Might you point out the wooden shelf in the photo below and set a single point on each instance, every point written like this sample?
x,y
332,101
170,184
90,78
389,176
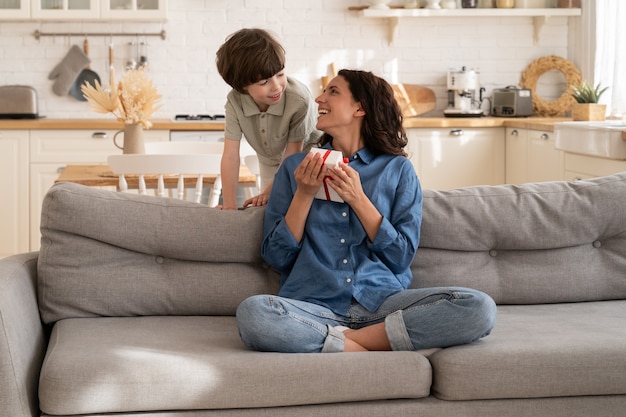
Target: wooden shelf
x,y
540,16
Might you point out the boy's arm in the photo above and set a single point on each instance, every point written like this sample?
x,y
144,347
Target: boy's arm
x,y
229,169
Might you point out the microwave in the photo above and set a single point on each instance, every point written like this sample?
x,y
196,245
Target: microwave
x,y
512,102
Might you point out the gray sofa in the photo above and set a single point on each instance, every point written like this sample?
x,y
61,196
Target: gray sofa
x,y
127,310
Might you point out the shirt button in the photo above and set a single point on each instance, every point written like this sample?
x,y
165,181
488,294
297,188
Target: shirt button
x,y
262,130
344,214
349,280
345,261
342,240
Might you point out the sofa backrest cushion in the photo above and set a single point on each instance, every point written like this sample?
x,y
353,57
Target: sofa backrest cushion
x,y
528,244
105,253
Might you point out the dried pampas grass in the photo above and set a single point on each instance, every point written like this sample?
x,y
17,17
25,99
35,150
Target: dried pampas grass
x,y
133,100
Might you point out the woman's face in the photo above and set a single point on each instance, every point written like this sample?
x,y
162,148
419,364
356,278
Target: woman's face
x,y
268,91
336,106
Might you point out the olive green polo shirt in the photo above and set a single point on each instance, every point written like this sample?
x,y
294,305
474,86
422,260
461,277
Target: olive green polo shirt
x,y
292,119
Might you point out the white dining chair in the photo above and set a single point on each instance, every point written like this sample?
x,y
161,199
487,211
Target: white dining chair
x,y
252,162
167,159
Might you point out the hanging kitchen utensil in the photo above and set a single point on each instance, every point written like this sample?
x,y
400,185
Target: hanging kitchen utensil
x,y
414,100
86,76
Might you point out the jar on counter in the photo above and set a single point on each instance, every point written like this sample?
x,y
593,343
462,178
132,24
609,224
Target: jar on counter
x,y
468,4
505,4
486,4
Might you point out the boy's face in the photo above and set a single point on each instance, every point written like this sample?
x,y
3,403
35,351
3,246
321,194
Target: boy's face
x,y
268,91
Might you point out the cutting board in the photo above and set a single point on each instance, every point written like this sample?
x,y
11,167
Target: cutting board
x,y
414,100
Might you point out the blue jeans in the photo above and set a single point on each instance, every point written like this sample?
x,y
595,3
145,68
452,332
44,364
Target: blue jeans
x,y
414,319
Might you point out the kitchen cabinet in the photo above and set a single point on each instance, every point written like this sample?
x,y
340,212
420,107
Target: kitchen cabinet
x,y
578,167
393,15
134,9
90,10
65,9
15,9
14,188
447,158
531,157
52,150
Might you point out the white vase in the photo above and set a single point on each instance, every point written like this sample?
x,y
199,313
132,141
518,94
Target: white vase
x,y
432,4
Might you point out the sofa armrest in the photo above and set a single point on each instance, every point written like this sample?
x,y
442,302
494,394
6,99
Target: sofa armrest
x,y
22,336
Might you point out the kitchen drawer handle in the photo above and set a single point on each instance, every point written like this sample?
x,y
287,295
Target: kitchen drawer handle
x,y
456,132
514,132
545,136
99,135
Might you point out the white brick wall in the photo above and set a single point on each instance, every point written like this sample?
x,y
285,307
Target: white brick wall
x,y
314,33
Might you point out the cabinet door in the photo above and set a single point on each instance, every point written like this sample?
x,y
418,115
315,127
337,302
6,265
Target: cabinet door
x,y
14,188
545,163
516,150
453,158
52,150
14,10
134,9
65,9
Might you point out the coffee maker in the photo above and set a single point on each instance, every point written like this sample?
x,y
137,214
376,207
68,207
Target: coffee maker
x,y
463,86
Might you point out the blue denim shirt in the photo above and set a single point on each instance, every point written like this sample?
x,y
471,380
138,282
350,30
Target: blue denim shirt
x,y
336,261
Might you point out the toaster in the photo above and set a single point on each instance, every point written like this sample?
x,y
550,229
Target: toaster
x,y
18,102
512,102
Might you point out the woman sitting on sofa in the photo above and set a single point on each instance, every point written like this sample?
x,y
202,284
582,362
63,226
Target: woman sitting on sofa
x,y
345,266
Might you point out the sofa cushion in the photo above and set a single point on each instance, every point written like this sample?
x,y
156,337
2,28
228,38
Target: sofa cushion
x,y
552,350
533,243
105,253
107,365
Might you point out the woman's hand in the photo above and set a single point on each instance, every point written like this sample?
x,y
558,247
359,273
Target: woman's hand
x,y
346,181
310,174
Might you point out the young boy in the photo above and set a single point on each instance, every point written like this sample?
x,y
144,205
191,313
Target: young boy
x,y
276,114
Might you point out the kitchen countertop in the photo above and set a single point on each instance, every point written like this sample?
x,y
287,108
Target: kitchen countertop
x,y
535,123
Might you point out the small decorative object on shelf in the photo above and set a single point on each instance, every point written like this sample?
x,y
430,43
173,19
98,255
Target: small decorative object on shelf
x,y
586,107
378,4
468,4
432,4
505,4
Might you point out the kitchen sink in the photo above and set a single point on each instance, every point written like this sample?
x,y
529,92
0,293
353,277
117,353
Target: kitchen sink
x,y
605,139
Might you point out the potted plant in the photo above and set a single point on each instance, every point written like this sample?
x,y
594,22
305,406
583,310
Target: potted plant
x,y
587,107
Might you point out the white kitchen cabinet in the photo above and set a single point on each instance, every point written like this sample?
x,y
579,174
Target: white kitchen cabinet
x,y
452,158
14,189
84,10
65,9
15,9
531,157
52,150
579,167
134,9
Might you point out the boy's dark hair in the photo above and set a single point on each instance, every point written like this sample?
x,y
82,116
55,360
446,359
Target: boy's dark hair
x,y
248,56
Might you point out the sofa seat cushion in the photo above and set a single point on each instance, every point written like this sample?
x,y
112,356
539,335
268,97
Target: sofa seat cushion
x,y
126,364
550,350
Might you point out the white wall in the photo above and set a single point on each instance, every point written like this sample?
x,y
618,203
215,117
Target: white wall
x,y
314,33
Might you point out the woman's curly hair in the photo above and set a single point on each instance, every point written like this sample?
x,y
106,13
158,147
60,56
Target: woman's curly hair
x,y
382,129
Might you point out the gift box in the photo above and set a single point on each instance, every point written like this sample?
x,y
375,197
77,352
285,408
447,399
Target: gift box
x,y
331,160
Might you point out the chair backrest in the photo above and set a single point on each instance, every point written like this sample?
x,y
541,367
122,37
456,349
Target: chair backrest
x,y
171,162
252,162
